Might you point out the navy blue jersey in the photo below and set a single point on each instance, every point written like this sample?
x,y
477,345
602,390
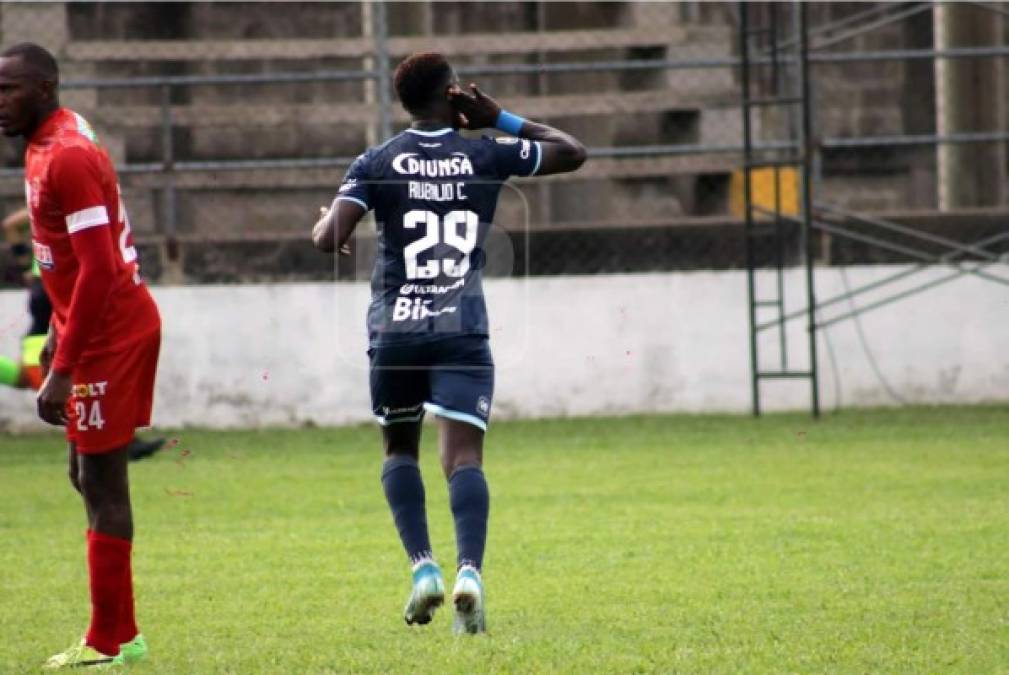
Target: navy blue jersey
x,y
434,194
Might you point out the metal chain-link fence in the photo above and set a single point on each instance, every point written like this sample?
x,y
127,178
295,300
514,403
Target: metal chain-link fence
x,y
231,123
909,109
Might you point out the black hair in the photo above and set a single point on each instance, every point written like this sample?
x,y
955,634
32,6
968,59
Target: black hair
x,y
420,79
36,57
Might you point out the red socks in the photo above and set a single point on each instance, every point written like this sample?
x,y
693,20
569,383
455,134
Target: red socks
x,y
112,620
127,629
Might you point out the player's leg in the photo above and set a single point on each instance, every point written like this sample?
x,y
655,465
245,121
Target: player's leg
x,y
26,374
461,445
105,486
10,372
112,396
74,472
399,388
39,307
41,311
129,638
31,356
142,449
404,492
132,646
102,481
461,398
404,487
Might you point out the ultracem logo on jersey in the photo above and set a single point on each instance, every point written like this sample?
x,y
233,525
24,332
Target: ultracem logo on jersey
x,y
430,289
44,255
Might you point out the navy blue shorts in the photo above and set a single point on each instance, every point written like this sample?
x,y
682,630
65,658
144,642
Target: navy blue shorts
x,y
452,377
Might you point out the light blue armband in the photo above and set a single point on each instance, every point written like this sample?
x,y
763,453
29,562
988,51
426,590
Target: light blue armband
x,y
509,123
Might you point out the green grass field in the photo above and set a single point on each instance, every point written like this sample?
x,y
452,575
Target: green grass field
x,y
868,542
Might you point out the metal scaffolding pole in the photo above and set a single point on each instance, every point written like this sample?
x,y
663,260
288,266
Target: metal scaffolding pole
x,y
807,207
791,92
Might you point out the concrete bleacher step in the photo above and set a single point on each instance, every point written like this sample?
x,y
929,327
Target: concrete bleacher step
x,y
279,179
597,168
482,44
268,115
680,106
221,124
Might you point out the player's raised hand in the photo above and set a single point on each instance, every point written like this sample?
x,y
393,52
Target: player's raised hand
x,y
477,109
52,398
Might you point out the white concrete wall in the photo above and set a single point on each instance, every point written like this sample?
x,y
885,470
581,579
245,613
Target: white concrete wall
x,y
291,353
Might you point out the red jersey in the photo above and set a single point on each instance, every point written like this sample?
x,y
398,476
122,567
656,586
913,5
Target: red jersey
x,y
83,244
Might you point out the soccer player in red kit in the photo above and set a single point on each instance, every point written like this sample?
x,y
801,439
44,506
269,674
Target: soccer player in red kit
x,y
101,353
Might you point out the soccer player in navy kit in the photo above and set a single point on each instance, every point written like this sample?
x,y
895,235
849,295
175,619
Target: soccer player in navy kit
x,y
434,193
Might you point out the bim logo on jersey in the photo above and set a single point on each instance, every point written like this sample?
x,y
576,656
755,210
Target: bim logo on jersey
x,y
412,310
408,164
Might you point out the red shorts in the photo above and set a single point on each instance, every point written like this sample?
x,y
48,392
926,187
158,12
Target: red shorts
x,y
112,395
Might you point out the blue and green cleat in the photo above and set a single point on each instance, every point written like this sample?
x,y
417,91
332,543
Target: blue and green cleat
x,y
468,598
82,655
134,651
428,593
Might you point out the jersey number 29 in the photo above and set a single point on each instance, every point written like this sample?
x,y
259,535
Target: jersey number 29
x,y
440,230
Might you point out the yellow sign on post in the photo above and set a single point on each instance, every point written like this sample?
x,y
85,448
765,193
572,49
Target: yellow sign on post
x,y
762,190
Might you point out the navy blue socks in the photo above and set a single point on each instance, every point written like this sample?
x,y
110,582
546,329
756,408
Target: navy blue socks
x,y
404,490
470,499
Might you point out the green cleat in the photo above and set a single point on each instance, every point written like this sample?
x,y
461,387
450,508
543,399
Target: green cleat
x,y
468,598
134,651
82,655
428,593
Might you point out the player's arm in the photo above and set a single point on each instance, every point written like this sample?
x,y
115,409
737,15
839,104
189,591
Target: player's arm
x,y
16,226
561,152
77,188
335,226
17,232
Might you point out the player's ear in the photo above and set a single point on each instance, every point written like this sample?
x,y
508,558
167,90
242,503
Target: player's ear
x,y
47,88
